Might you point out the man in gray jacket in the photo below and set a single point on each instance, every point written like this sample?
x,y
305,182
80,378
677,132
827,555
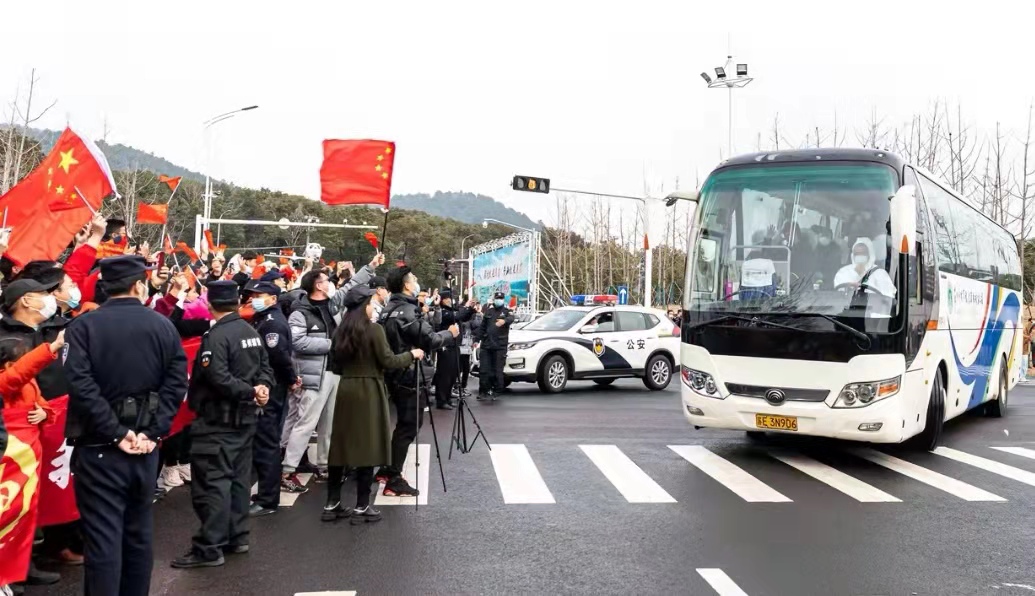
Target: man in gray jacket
x,y
312,322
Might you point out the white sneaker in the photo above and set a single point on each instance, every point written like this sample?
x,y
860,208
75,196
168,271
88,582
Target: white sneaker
x,y
170,478
184,471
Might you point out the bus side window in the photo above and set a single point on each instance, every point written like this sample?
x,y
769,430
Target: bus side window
x,y
920,265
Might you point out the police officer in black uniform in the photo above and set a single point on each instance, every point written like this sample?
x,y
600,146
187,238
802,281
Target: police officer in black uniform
x,y
447,367
272,326
127,375
231,380
406,330
493,335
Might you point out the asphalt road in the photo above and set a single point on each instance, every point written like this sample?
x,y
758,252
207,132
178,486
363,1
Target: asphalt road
x,y
593,491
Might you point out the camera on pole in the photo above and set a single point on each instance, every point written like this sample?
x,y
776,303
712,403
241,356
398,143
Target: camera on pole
x,y
531,184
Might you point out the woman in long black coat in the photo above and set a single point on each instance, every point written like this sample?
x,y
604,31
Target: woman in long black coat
x,y
360,432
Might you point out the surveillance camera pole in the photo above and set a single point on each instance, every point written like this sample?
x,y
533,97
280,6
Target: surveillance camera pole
x,y
730,84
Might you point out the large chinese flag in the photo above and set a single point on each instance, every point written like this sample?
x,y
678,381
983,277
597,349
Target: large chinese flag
x,y
57,493
152,214
19,494
48,207
357,172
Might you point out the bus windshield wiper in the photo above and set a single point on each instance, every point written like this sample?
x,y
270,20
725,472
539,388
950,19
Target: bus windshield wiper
x,y
752,320
843,326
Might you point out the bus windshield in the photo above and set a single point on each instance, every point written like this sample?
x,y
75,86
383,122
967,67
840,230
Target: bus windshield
x,y
795,239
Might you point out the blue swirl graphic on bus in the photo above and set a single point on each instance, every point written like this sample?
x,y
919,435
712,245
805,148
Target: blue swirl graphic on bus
x,y
978,373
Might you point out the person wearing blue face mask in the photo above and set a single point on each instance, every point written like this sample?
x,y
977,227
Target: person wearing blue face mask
x,y
494,335
273,328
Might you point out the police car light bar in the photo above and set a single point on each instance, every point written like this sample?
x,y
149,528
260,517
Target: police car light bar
x,y
591,299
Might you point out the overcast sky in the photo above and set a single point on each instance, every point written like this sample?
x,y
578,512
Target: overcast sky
x,y
596,95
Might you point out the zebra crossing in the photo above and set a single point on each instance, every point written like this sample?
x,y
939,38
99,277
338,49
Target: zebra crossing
x,y
519,475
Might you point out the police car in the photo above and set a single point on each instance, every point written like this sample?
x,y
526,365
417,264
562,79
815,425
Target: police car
x,y
594,340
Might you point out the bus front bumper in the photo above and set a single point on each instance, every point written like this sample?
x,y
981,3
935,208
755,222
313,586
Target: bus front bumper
x,y
879,422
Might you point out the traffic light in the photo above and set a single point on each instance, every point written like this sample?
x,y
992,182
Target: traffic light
x,y
530,184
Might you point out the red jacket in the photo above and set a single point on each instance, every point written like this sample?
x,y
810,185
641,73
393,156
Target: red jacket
x,y
78,266
18,381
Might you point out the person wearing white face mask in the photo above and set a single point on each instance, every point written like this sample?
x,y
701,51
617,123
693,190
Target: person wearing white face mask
x,y
863,270
29,311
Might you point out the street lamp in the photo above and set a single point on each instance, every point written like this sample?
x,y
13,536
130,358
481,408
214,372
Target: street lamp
x,y
485,224
206,125
723,80
462,258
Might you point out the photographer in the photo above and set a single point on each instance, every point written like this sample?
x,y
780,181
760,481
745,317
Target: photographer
x,y
406,330
494,335
448,364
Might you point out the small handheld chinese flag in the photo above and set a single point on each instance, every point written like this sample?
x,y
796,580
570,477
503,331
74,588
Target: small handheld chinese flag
x,y
371,238
181,246
171,181
167,245
357,172
208,239
152,214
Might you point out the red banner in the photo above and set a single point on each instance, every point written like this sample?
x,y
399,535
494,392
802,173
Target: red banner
x,y
184,415
19,481
57,492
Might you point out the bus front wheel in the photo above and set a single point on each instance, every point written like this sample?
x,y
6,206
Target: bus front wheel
x,y
932,433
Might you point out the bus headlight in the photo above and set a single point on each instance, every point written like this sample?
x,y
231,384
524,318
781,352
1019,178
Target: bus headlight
x,y
860,395
701,382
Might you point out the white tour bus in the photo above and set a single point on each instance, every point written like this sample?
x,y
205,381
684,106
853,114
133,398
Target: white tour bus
x,y
845,293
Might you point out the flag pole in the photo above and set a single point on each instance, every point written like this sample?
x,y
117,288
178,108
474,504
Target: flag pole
x,y
78,193
384,230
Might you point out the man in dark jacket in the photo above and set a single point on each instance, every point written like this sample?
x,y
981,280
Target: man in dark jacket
x,y
231,380
405,330
29,311
447,368
272,326
249,259
494,335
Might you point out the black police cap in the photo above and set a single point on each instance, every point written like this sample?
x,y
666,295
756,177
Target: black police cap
x,y
115,268
378,282
498,296
222,293
264,287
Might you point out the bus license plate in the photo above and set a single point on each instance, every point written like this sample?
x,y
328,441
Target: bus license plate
x,y
772,422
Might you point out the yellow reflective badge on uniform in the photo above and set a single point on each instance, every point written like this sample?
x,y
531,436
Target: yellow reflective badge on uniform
x,y
206,357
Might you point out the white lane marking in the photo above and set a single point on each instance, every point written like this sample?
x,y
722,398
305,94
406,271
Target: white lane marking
x,y
338,593
988,465
929,477
720,582
518,476
853,487
410,473
731,476
1021,451
634,484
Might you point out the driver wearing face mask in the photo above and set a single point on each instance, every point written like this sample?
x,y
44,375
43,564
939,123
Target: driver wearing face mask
x,y
862,271
29,310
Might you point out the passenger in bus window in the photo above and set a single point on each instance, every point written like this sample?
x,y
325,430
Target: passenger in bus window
x,y
863,268
828,257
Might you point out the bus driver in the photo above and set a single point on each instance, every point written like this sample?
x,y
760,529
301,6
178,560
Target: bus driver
x,y
862,268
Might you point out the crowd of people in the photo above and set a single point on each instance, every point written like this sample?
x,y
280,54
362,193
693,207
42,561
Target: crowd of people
x,y
286,351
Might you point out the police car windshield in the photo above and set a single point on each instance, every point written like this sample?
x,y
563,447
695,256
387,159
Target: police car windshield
x,y
558,320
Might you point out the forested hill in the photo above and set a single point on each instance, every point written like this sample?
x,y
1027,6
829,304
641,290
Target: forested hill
x,y
461,206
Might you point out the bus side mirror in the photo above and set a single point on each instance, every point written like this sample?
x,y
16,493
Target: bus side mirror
x,y
682,195
903,220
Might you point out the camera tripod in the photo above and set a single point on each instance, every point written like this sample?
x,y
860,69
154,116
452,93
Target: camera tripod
x,y
463,410
421,386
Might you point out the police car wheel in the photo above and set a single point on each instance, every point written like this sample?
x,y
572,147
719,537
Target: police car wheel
x,y
658,373
553,375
